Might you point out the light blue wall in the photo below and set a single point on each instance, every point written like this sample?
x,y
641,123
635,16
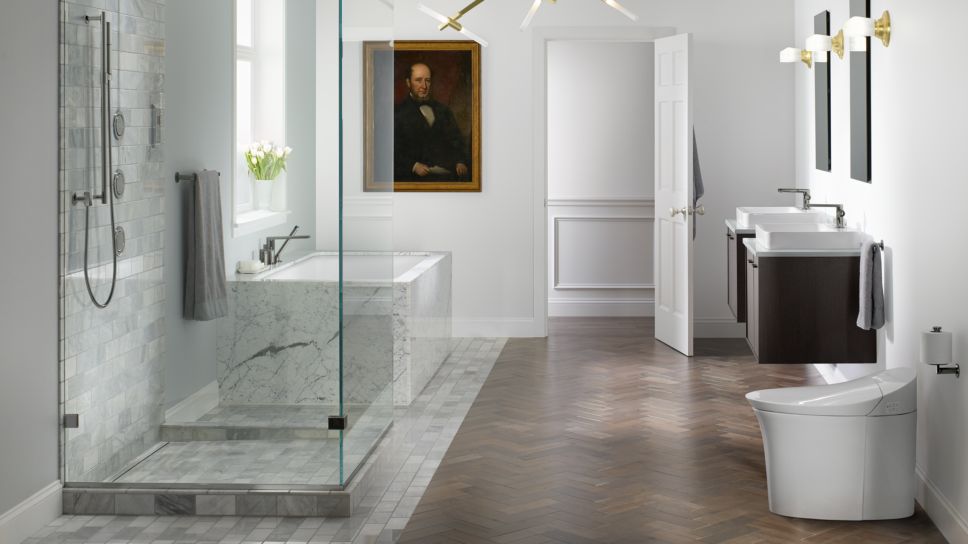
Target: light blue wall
x,y
28,214
199,135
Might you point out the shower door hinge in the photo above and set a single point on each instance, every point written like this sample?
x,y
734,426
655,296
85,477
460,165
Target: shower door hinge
x,y
72,421
338,423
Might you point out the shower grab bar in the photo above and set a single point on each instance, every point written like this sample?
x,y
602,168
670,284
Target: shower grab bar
x,y
106,158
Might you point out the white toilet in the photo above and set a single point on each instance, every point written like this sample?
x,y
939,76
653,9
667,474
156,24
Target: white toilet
x,y
842,451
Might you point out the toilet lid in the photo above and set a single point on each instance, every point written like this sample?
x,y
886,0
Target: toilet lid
x,y
891,392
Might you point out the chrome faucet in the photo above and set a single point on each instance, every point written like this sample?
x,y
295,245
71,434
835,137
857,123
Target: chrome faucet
x,y
268,253
804,192
840,213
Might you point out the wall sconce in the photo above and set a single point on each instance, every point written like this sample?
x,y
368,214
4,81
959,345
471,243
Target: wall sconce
x,y
859,27
936,351
792,54
818,43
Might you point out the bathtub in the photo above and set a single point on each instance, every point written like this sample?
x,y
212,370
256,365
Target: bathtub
x,y
280,342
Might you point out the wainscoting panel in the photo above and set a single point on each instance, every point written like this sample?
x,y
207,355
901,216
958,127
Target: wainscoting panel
x,y
601,256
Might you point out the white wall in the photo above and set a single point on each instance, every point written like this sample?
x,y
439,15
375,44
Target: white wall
x,y
743,120
600,174
915,204
28,217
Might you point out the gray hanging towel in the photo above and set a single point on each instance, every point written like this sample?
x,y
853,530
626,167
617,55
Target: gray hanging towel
x,y
699,190
871,314
205,289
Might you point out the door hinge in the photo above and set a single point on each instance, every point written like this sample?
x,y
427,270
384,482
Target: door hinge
x,y
338,423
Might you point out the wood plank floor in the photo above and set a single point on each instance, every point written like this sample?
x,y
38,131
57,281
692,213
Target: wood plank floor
x,y
602,434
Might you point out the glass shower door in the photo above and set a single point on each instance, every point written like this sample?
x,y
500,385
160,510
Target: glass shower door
x,y
366,230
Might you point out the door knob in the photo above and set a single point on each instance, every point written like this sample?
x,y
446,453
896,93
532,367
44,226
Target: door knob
x,y
676,211
701,210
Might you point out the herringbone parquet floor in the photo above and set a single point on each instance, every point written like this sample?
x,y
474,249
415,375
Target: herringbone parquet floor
x,y
602,434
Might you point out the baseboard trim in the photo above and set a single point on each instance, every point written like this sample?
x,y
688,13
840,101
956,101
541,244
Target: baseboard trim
x,y
31,515
944,515
525,327
718,327
601,307
195,405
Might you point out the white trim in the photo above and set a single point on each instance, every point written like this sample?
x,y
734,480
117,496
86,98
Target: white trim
x,y
32,515
944,514
577,307
509,327
602,202
252,221
195,405
564,286
718,327
557,252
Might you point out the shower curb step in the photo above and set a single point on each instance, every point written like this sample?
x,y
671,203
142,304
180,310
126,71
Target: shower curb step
x,y
129,499
207,502
206,432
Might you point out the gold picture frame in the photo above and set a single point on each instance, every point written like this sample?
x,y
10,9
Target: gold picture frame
x,y
439,121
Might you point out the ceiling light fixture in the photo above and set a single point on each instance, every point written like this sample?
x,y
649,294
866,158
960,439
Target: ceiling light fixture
x,y
454,20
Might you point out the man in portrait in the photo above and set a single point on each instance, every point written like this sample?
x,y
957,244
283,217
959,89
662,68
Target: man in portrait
x,y
428,145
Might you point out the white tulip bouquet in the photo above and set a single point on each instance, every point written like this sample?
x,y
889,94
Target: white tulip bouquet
x,y
265,160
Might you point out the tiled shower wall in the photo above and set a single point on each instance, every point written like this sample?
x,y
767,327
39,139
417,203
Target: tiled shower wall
x,y
111,359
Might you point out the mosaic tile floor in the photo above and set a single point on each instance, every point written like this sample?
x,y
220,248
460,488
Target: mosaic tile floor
x,y
413,449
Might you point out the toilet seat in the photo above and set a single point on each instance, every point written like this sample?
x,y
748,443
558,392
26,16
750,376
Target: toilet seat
x,y
892,392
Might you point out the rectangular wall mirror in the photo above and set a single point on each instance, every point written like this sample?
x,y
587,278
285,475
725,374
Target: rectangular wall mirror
x,y
860,98
821,82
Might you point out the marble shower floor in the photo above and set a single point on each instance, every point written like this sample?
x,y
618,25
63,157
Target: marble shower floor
x,y
414,447
279,462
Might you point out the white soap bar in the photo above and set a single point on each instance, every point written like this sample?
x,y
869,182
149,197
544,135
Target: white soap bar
x,y
251,267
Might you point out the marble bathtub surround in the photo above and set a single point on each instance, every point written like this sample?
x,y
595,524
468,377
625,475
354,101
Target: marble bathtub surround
x,y
279,344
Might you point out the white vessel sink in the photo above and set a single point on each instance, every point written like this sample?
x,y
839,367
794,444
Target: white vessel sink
x,y
749,216
808,236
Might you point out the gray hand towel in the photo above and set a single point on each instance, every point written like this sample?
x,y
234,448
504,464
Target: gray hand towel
x,y
871,314
205,290
699,190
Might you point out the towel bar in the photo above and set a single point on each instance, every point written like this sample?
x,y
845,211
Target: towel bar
x,y
179,176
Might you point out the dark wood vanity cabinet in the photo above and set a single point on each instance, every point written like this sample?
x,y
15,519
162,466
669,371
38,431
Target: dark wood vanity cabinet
x,y
804,310
736,273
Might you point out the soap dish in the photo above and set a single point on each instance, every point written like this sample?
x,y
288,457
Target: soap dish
x,y
250,267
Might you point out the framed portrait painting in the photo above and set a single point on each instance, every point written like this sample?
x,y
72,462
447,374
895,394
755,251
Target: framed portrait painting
x,y
422,116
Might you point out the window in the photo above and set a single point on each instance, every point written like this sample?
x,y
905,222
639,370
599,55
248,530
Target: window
x,y
260,99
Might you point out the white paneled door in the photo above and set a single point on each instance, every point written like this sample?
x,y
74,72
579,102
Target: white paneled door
x,y
673,194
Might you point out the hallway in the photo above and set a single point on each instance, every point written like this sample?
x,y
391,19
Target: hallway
x,y
602,434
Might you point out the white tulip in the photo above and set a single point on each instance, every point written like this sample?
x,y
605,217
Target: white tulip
x,y
278,151
286,151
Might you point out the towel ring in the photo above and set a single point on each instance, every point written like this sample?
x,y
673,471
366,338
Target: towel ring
x,y
881,245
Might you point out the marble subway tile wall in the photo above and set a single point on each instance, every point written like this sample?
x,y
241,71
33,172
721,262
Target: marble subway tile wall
x,y
111,373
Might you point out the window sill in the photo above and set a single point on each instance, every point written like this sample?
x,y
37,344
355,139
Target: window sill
x,y
253,221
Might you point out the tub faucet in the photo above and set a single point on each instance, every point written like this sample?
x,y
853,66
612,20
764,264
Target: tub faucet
x,y
804,192
268,253
840,212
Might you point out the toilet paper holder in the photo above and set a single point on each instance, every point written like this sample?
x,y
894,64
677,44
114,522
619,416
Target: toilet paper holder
x,y
936,351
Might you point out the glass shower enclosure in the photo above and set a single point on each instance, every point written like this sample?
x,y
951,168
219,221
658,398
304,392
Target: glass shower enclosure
x,y
277,405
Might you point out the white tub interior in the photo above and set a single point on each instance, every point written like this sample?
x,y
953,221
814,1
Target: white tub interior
x,y
362,268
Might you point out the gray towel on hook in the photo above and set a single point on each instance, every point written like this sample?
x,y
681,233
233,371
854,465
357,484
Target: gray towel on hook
x,y
871,314
698,188
205,289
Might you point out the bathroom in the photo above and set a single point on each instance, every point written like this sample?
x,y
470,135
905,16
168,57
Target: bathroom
x,y
756,132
